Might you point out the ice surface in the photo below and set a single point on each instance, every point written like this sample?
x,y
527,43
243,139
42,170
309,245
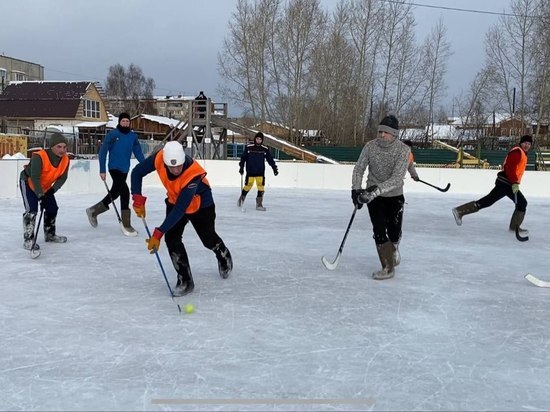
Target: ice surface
x,y
90,325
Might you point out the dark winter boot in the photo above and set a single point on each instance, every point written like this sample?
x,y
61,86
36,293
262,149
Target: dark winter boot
x,y
49,230
94,211
259,199
29,220
184,284
385,253
225,261
126,222
516,221
241,198
463,210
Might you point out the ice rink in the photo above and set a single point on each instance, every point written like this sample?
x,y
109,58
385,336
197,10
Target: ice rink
x,y
90,325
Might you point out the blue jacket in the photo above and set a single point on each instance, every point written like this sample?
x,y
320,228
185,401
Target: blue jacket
x,y
255,156
120,147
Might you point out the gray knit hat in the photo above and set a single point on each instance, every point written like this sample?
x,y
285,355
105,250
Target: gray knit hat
x,y
389,124
57,138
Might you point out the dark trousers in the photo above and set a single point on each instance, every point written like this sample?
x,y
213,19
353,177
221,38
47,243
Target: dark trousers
x,y
119,188
386,215
500,190
204,222
30,200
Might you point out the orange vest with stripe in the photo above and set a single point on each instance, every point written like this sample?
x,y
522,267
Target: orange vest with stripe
x,y
50,173
520,167
174,187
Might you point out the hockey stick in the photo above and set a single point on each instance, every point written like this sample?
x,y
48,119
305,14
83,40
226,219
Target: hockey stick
x,y
243,209
131,234
36,253
332,265
518,236
435,187
160,265
536,281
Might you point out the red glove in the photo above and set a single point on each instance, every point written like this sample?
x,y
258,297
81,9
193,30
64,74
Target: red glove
x,y
153,243
139,205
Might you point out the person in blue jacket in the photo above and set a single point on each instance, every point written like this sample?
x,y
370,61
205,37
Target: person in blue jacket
x,y
119,144
254,156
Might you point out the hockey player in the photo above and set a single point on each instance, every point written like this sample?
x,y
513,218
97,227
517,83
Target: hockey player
x,y
386,157
189,199
254,156
506,184
40,179
119,143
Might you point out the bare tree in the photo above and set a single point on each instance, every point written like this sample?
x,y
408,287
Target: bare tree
x,y
364,28
540,79
509,56
436,52
129,90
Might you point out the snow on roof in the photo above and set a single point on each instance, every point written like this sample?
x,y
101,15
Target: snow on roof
x,y
91,124
164,120
176,97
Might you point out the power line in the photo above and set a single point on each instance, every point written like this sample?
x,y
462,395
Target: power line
x,y
494,13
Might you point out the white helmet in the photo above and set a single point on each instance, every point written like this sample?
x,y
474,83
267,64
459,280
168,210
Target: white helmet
x,y
173,154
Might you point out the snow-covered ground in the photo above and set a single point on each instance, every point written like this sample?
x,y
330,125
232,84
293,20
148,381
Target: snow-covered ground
x,y
90,325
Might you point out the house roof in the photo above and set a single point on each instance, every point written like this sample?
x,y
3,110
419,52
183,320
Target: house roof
x,y
42,99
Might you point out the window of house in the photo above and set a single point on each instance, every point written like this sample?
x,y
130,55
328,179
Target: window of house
x,y
18,76
91,109
3,74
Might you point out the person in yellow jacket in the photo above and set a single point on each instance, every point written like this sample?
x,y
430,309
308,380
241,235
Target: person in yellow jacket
x,y
46,172
188,199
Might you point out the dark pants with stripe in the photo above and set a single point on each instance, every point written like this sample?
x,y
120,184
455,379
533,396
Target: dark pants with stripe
x,y
386,215
119,188
30,200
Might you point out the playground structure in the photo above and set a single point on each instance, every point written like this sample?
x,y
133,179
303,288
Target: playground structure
x,y
463,159
205,134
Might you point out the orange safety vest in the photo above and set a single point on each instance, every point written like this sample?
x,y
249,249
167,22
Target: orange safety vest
x,y
520,167
174,187
50,173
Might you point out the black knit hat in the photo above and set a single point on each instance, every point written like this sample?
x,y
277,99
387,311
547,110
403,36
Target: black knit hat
x,y
526,138
123,116
389,124
260,135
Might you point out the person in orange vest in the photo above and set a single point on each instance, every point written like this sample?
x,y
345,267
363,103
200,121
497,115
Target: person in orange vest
x,y
189,199
506,184
46,172
411,168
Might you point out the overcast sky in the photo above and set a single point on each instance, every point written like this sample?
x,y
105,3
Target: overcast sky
x,y
176,41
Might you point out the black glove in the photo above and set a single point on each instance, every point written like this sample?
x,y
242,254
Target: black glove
x,y
368,195
275,172
355,193
241,171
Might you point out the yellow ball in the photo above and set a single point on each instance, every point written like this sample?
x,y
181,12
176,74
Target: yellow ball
x,y
189,308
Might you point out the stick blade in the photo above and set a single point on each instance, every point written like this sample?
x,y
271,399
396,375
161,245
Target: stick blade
x,y
446,187
536,281
519,237
35,253
330,265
